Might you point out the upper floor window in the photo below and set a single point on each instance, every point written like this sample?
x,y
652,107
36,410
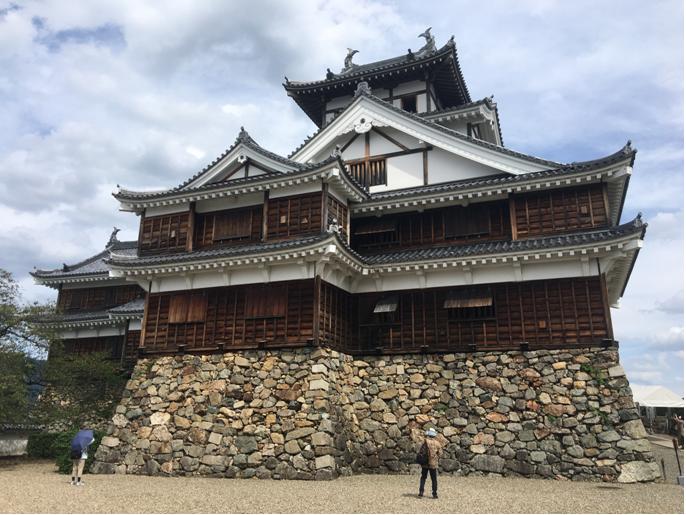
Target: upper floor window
x,y
231,226
409,103
474,130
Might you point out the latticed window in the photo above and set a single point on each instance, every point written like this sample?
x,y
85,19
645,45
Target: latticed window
x,y
234,225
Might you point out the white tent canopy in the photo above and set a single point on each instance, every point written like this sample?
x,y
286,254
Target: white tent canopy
x,y
656,397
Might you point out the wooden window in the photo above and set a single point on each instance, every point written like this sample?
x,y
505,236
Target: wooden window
x,y
474,130
266,302
187,308
369,172
409,103
387,305
470,304
178,309
376,226
462,222
230,226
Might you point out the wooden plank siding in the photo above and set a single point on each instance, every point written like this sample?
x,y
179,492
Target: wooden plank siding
x,y
110,346
133,340
163,234
235,317
433,227
208,225
297,215
336,316
546,314
557,211
92,299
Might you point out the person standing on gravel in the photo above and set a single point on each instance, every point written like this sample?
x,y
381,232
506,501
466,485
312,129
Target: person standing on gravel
x,y
428,457
79,454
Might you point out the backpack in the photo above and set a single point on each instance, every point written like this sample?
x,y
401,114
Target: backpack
x,y
423,455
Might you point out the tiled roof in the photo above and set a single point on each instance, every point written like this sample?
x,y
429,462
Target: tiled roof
x,y
134,307
362,71
220,252
78,316
433,125
505,178
94,265
245,139
503,247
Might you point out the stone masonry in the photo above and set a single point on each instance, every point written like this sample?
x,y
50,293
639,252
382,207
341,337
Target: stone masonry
x,y
315,413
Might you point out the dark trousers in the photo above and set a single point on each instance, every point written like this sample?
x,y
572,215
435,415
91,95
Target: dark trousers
x,y
434,481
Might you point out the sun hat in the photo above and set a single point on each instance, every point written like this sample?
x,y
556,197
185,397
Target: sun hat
x,y
431,432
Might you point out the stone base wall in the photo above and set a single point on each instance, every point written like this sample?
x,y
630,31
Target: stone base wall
x,y
316,414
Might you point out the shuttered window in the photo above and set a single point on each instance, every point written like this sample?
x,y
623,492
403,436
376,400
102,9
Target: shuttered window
x,y
234,225
376,226
266,302
462,222
187,308
387,305
469,298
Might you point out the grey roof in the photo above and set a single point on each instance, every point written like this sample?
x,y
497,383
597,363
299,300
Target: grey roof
x,y
134,307
505,179
243,138
503,247
94,265
433,125
419,254
219,252
77,316
448,78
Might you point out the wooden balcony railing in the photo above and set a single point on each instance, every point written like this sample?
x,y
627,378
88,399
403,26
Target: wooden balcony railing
x,y
369,172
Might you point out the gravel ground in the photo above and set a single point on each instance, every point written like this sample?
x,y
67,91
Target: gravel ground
x,y
35,487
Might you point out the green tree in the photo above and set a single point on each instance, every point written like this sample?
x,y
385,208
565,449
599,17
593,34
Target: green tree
x,y
20,340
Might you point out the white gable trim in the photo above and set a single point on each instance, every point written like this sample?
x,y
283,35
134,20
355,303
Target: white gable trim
x,y
375,114
239,155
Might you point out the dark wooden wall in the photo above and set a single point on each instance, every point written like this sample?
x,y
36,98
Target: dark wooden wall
x,y
297,215
248,227
109,345
339,211
91,299
452,225
278,314
133,341
562,210
163,234
336,316
544,313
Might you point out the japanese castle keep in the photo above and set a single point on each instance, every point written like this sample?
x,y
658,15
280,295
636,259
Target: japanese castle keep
x,y
308,316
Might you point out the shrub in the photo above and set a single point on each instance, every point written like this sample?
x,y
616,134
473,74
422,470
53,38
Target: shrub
x,y
40,445
62,448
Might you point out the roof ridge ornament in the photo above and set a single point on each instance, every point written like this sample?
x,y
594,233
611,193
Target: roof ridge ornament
x,y
336,152
348,64
638,221
627,149
362,89
113,237
430,45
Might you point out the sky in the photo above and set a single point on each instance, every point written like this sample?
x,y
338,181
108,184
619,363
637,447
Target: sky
x,y
145,94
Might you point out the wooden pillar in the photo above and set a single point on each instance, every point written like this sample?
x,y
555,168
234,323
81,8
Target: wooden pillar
x,y
606,204
606,303
265,216
141,343
367,153
425,164
325,206
317,307
191,227
140,228
123,347
513,217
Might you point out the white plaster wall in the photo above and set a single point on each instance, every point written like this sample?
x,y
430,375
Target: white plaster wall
x,y
421,103
299,189
135,325
104,284
166,210
91,333
444,167
402,172
413,86
252,172
232,202
339,102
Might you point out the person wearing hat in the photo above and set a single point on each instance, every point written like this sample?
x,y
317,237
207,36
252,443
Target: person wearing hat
x,y
428,458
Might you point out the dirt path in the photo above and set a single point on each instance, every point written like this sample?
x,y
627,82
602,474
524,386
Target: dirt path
x,y
34,487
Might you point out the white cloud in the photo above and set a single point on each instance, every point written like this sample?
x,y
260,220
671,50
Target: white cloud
x,y
572,80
